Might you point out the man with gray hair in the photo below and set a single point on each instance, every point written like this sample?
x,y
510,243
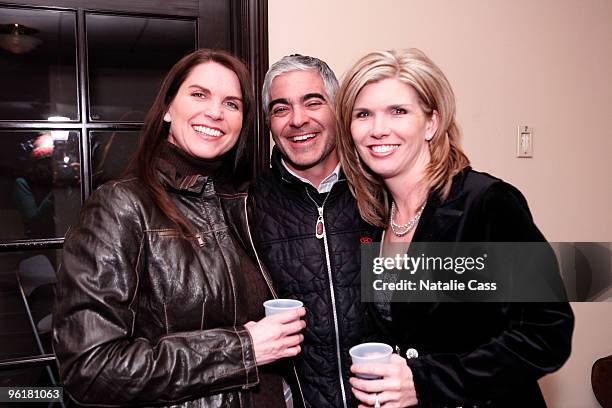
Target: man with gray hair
x,y
308,229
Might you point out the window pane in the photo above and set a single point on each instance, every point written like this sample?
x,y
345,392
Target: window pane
x,y
110,154
27,283
127,64
40,185
38,75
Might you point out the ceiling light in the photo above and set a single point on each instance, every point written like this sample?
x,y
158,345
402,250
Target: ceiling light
x,y
17,38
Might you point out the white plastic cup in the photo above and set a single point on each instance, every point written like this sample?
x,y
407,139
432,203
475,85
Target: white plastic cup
x,y
371,353
275,306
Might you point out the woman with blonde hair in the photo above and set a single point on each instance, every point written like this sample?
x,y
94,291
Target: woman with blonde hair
x,y
399,146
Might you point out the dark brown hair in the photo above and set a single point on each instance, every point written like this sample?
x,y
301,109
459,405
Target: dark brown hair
x,y
155,130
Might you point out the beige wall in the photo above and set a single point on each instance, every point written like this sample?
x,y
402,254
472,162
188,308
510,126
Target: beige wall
x,y
544,63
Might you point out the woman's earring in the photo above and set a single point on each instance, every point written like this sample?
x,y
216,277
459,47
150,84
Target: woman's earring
x,y
167,118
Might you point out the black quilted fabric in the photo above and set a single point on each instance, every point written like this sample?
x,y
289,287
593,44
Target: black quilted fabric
x,y
284,225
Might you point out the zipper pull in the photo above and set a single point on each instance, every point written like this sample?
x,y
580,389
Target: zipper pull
x,y
200,240
320,228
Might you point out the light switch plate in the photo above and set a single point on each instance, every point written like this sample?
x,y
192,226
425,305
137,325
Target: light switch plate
x,y
524,142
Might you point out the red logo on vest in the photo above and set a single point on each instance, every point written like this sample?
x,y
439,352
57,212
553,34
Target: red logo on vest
x,y
365,240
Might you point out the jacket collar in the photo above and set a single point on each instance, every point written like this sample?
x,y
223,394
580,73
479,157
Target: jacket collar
x,y
195,183
439,216
190,183
281,172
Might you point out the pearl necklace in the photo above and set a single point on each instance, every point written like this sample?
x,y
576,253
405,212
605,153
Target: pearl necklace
x,y
401,230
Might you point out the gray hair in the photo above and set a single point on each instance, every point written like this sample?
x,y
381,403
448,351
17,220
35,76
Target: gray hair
x,y
297,62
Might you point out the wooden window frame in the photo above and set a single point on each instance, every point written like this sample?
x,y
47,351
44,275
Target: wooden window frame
x,y
247,38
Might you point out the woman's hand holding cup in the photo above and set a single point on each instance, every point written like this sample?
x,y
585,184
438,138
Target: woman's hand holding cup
x,y
385,381
278,335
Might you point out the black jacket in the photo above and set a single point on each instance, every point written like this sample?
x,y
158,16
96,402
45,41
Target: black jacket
x,y
143,316
479,354
323,273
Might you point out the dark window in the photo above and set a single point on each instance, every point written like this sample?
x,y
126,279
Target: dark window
x,y
38,65
127,64
110,154
40,183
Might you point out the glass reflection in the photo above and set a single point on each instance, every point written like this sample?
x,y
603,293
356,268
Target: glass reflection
x,y
38,74
126,64
40,183
110,154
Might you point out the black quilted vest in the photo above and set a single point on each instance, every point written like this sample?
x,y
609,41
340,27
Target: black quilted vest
x,y
321,272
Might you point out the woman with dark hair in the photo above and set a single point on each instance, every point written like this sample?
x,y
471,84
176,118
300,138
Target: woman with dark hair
x,y
399,147
159,298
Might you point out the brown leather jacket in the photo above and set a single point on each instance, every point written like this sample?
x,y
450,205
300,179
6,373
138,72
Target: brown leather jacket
x,y
145,317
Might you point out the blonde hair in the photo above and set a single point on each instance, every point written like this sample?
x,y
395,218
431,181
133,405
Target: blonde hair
x,y
414,68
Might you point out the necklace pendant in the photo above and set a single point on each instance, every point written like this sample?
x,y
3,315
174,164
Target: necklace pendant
x,y
320,228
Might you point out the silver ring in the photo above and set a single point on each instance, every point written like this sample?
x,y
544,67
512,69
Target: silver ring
x,y
376,401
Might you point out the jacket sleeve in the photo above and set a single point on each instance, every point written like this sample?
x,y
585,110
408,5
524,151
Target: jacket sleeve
x,y
535,342
100,360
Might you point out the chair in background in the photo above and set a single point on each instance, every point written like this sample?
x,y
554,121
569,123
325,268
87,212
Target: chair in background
x,y
36,280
